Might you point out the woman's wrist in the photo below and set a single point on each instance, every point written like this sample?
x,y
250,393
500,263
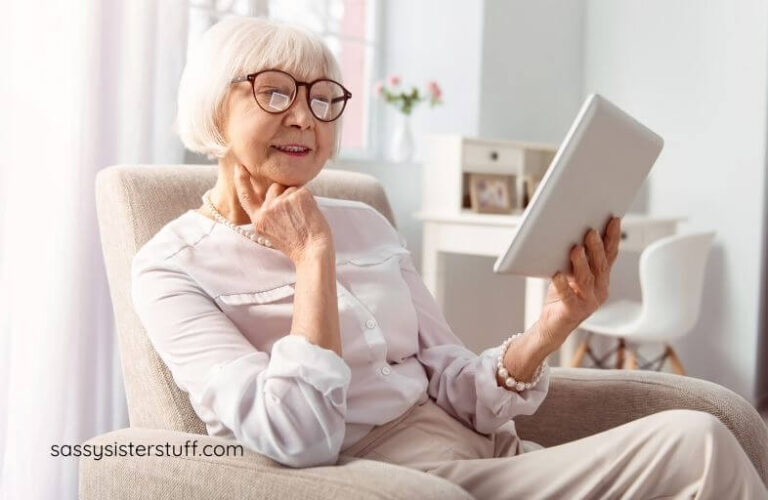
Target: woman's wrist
x,y
315,305
320,252
547,339
524,355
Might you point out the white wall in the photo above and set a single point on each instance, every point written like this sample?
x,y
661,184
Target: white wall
x,y
531,75
509,69
697,75
436,40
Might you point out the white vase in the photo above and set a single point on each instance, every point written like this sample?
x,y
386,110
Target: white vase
x,y
402,140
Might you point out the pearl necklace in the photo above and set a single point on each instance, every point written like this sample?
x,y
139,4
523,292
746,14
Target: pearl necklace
x,y
247,234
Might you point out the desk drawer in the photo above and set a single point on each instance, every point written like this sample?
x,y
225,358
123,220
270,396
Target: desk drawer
x,y
491,159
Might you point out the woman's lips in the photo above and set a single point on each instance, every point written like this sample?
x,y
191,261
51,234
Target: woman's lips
x,y
292,151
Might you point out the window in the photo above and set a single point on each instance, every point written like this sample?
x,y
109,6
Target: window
x,y
351,30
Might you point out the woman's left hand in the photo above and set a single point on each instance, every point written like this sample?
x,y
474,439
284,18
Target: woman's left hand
x,y
573,297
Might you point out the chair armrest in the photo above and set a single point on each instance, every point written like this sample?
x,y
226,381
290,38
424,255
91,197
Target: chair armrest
x,y
585,401
248,476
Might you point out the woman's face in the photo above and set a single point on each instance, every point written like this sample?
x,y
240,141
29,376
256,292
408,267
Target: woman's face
x,y
255,136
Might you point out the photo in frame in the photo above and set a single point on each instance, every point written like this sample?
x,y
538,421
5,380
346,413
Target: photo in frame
x,y
493,193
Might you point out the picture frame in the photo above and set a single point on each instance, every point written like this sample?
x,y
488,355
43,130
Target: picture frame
x,y
493,193
531,184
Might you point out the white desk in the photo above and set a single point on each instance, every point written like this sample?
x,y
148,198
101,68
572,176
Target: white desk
x,y
470,233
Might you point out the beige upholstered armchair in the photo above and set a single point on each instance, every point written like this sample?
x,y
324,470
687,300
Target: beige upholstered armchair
x,y
135,201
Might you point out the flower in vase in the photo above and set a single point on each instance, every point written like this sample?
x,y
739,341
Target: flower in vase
x,y
405,100
435,92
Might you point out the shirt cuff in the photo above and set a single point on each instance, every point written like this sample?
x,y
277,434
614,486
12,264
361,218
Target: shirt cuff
x,y
506,403
293,356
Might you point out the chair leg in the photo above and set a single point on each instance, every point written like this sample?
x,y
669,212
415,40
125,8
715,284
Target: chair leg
x,y
578,356
631,362
620,354
675,361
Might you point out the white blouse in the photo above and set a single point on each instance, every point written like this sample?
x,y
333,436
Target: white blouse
x,y
217,307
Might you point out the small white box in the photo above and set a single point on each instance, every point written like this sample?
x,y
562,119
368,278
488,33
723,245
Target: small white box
x,y
451,159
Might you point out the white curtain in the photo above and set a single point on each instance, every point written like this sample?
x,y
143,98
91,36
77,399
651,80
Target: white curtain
x,y
83,84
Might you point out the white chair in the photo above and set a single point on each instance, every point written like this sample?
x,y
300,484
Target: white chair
x,y
671,281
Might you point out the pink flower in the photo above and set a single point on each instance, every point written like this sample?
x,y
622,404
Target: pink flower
x,y
394,80
378,88
434,89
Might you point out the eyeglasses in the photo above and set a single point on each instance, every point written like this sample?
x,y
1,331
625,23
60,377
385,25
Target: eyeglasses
x,y
275,90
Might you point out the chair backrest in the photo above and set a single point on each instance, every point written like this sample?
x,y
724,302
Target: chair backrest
x,y
133,203
671,280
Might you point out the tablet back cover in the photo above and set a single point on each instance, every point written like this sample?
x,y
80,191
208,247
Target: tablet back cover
x,y
596,173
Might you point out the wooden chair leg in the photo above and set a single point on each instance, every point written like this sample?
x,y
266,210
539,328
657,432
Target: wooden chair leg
x,y
631,361
675,361
580,351
620,354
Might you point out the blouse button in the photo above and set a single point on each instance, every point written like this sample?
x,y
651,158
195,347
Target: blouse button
x,y
370,323
385,370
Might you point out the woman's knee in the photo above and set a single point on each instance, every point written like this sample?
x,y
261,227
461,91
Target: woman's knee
x,y
694,424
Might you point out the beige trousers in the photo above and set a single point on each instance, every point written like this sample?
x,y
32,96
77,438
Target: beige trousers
x,y
670,454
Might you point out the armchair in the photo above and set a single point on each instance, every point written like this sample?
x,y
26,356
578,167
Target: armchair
x,y
135,201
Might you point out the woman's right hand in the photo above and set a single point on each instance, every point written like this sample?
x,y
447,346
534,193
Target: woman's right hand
x,y
287,216
573,297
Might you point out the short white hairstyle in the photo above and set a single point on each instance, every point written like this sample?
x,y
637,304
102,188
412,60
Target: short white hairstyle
x,y
234,47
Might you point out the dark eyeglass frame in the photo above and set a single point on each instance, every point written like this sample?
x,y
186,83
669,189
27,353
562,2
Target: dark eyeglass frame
x,y
252,78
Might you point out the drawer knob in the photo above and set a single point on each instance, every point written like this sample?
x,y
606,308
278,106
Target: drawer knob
x,y
494,155
623,235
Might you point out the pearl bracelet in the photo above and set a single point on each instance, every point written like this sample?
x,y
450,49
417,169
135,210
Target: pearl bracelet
x,y
504,374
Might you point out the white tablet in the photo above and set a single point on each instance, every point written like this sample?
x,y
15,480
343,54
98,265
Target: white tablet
x,y
596,173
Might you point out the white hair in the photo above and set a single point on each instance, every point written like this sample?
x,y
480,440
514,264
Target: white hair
x,y
235,47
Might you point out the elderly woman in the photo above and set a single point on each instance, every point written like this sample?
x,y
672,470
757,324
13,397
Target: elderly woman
x,y
299,326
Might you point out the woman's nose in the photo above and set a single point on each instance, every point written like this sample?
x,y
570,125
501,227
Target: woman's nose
x,y
299,115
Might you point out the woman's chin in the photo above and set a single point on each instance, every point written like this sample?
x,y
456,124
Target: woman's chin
x,y
284,161
292,171
294,178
